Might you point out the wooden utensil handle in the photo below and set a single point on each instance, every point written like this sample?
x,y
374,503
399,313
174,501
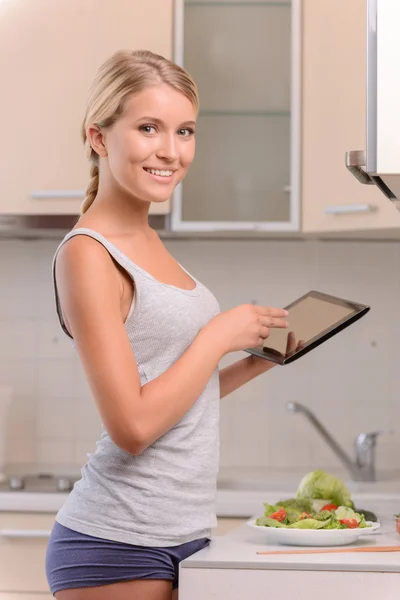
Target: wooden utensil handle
x,y
335,550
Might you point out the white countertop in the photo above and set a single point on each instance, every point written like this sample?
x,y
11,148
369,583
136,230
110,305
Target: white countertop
x,y
238,550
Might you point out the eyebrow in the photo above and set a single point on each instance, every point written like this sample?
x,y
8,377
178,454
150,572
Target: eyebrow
x,y
160,122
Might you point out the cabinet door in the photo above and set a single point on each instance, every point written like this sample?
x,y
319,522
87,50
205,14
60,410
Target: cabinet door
x,y
23,543
244,57
334,121
49,55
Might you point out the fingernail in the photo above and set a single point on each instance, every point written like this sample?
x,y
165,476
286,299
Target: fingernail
x,y
285,312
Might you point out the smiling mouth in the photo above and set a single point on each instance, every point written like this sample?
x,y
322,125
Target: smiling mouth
x,y
160,172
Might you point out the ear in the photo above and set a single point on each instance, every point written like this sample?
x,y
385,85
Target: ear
x,y
96,140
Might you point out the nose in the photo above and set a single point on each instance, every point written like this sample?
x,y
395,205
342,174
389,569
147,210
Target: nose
x,y
168,148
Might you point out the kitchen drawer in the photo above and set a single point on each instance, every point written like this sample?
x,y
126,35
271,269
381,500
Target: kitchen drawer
x,y
23,543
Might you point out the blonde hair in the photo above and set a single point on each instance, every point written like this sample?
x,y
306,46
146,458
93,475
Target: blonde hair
x,y
123,74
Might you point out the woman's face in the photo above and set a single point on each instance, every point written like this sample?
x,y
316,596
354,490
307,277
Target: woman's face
x,y
151,146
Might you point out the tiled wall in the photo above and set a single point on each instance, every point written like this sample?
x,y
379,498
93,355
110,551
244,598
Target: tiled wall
x,y
351,382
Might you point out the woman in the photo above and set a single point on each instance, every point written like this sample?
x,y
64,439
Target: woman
x,y
150,337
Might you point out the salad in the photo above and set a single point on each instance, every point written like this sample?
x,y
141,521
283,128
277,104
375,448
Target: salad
x,y
322,502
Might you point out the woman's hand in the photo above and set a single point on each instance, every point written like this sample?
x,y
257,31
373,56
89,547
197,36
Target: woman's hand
x,y
245,326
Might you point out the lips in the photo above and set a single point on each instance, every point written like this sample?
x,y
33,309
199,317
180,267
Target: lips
x,y
159,172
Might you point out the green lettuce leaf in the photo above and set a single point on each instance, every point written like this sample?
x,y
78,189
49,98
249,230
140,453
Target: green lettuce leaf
x,y
270,509
310,524
324,515
293,515
267,522
320,485
363,523
343,512
301,504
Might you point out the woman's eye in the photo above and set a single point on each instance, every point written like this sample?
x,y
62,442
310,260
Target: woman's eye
x,y
186,131
148,128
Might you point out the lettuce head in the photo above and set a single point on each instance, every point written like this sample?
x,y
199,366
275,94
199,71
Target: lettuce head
x,y
320,485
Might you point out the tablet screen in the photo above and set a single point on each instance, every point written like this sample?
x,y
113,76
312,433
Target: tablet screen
x,y
312,318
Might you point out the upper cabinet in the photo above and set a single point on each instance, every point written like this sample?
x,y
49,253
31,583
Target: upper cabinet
x,y
49,54
334,96
283,88
245,58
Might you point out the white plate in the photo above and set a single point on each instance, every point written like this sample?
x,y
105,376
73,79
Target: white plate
x,y
312,537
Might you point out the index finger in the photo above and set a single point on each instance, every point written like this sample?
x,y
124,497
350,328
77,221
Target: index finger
x,y
269,311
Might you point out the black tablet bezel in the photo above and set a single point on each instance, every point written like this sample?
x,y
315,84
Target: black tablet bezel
x,y
359,311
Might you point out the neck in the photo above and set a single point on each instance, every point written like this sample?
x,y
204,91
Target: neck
x,y
118,212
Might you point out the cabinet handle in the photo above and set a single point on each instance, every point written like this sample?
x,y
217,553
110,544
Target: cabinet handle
x,y
344,209
45,194
25,533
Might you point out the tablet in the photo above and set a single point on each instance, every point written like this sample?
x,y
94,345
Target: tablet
x,y
313,319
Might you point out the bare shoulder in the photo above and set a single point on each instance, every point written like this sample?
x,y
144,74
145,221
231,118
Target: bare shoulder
x,y
86,278
82,257
81,252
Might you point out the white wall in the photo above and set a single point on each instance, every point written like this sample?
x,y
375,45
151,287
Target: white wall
x,y
351,382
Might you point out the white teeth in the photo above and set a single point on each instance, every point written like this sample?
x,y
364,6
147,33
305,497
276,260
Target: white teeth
x,y
162,173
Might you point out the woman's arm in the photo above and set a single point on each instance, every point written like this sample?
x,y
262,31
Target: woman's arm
x,y
240,372
135,415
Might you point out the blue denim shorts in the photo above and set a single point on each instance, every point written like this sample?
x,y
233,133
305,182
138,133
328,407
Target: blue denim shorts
x,y
75,560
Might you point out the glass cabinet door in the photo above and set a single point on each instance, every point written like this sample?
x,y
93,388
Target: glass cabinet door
x,y
245,59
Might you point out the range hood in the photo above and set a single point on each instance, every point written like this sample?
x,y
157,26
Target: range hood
x,y
379,163
54,225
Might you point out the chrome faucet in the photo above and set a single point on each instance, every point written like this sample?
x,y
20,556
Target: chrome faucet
x,y
360,469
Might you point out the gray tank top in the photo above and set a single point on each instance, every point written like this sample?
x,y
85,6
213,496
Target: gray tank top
x,y
165,496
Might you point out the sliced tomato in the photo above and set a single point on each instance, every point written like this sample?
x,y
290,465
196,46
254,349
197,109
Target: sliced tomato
x,y
350,523
329,507
305,515
279,515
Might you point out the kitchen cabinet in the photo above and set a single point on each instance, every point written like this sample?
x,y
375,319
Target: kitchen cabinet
x,y
23,543
282,99
245,58
334,92
231,568
50,52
